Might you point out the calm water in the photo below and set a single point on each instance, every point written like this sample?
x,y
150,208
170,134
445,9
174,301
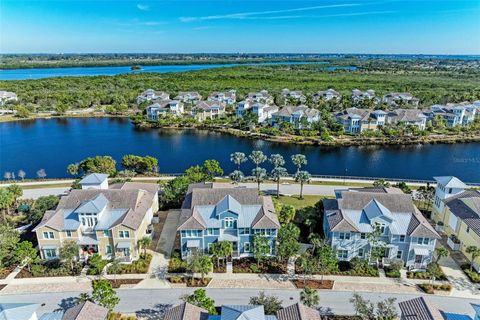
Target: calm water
x,y
53,144
39,73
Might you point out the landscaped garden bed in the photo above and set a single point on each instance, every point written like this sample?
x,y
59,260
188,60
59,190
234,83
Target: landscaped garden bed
x,y
117,283
176,264
431,288
313,284
472,275
220,269
250,265
355,268
433,270
6,271
190,282
50,268
139,266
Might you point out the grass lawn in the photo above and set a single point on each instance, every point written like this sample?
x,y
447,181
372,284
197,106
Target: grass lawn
x,y
308,200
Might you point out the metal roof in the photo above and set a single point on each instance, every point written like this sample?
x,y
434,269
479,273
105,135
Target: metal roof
x,y
450,182
94,178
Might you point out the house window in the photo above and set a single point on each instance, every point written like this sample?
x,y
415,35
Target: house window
x,y
468,229
342,254
361,251
341,236
228,223
69,233
246,247
210,231
402,238
124,234
363,235
424,241
245,231
399,254
48,235
108,249
347,236
107,233
50,253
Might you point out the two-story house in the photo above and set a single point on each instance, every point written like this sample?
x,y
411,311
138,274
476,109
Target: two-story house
x,y
404,234
100,219
396,99
208,110
409,117
162,108
455,114
289,95
228,98
327,95
189,97
263,111
219,212
152,95
262,96
356,120
243,107
295,115
7,96
359,96
458,210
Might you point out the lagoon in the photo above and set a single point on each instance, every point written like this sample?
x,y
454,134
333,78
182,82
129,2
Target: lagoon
x,y
52,144
40,73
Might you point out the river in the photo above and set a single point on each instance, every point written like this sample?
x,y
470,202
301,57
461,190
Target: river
x,y
40,73
52,144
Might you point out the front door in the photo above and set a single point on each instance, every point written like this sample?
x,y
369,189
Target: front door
x,y
418,258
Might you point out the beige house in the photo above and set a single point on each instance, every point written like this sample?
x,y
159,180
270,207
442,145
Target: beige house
x,y
101,219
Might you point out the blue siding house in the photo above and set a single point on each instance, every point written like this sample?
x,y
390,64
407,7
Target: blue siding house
x,y
404,233
214,212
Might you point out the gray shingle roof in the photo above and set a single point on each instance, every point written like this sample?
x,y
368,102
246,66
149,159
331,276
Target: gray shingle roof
x,y
86,311
298,311
94,178
186,311
135,201
466,206
419,309
208,194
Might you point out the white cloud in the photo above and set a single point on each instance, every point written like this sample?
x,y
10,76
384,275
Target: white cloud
x,y
321,16
244,15
143,7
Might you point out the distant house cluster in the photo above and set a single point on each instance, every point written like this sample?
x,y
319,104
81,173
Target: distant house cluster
x,y
368,112
7,96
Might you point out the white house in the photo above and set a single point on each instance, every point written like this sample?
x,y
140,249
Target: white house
x,y
263,111
295,115
447,186
327,95
152,95
359,96
293,95
395,99
95,181
356,120
228,98
172,107
456,114
262,96
6,96
188,96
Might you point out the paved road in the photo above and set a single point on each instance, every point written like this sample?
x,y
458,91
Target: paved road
x,y
287,189
138,300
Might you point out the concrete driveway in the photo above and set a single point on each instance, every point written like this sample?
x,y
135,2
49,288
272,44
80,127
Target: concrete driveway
x,y
458,279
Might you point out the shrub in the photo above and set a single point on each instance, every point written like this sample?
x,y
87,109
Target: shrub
x,y
430,288
139,266
96,264
176,279
392,273
177,265
474,276
254,268
54,268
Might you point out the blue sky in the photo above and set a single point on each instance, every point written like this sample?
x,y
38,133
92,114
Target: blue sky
x,y
345,26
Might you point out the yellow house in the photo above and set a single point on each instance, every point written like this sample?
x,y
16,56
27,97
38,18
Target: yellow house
x,y
103,220
461,220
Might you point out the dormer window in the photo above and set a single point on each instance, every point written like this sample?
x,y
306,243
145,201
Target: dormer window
x,y
229,223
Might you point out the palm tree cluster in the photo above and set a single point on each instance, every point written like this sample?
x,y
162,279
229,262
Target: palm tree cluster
x,y
260,174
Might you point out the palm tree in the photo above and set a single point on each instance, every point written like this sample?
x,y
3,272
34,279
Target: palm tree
x,y
441,252
302,177
6,200
299,160
144,243
475,252
114,268
309,297
257,157
238,158
260,174
236,176
278,170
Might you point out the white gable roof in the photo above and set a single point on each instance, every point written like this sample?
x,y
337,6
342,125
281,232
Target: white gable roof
x,y
450,182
